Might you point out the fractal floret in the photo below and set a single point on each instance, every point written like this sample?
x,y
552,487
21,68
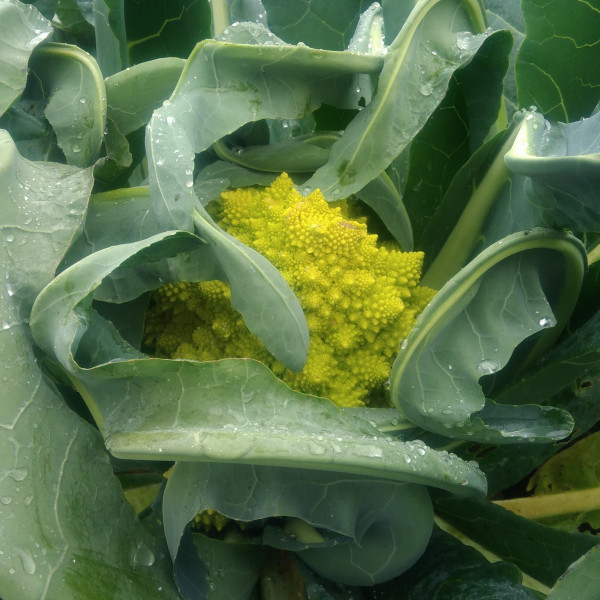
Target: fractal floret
x,y
360,297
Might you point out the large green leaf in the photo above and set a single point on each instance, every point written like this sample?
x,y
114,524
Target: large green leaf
x,y
581,580
163,415
119,216
535,174
76,106
326,24
58,494
542,552
160,28
134,93
506,465
506,14
472,193
22,28
562,163
471,328
227,83
450,570
456,129
558,66
368,545
415,78
111,37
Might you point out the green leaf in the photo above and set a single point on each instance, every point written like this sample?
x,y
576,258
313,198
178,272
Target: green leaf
x,y
415,78
381,195
506,14
76,105
77,16
563,164
220,175
22,28
111,37
326,24
161,28
244,393
301,154
119,216
232,566
29,128
505,466
379,543
260,293
558,66
536,174
133,94
58,495
456,129
118,157
449,570
471,328
581,580
236,80
456,229
542,552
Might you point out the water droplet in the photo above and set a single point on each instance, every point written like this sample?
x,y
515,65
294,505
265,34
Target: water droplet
x,y
450,367
76,148
11,571
189,183
546,322
10,238
464,40
425,89
404,344
83,100
487,367
406,458
27,562
18,474
5,500
170,120
143,556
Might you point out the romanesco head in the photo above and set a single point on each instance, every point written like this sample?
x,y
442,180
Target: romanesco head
x,y
360,298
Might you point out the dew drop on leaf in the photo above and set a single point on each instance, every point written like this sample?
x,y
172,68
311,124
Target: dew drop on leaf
x,y
143,556
18,474
425,89
27,562
487,367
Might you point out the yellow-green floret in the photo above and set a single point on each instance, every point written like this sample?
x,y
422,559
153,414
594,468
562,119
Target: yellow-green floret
x,y
360,298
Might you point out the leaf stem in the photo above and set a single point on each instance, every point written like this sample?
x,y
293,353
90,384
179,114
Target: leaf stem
x,y
220,16
552,505
464,237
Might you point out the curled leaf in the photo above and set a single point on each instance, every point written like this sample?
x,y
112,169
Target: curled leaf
x,y
524,284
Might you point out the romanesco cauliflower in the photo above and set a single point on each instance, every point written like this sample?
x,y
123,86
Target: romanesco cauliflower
x,y
360,298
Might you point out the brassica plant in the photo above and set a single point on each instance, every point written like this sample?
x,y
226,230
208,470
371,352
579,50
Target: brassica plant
x,y
463,132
